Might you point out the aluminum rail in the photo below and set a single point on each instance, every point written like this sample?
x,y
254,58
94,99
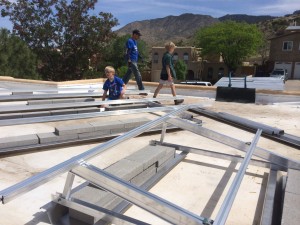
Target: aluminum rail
x,y
70,88
124,205
26,185
285,138
5,152
9,109
251,124
269,201
25,97
232,192
213,154
44,119
6,98
111,216
239,121
272,157
146,200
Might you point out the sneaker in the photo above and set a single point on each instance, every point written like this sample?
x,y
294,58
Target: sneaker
x,y
156,102
178,101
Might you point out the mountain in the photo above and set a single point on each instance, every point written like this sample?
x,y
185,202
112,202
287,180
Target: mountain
x,y
245,18
173,28
277,26
181,29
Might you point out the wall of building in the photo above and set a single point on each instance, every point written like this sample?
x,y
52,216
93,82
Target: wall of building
x,y
213,71
276,48
284,59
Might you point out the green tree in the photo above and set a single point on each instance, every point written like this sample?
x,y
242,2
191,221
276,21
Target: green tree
x,y
121,71
181,70
16,58
64,34
115,52
234,41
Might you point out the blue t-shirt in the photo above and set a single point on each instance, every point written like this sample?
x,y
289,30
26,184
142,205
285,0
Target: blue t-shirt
x,y
132,50
114,88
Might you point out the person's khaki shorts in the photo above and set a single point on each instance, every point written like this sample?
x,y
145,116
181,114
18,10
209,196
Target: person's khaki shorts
x,y
166,82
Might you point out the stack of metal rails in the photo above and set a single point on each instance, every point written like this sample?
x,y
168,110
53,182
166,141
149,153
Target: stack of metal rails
x,y
66,111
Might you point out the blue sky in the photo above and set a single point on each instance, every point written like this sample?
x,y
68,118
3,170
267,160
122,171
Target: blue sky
x,y
127,11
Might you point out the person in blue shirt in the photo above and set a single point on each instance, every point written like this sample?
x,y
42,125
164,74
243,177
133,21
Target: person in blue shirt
x,y
113,85
132,55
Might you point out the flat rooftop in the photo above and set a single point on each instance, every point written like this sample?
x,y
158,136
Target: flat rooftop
x,y
198,184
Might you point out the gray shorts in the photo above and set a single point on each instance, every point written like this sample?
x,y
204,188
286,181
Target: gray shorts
x,y
166,82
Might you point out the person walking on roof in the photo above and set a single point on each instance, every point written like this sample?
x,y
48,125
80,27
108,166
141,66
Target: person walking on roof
x,y
132,55
168,73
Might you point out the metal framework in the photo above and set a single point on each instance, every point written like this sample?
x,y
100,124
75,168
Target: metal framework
x,y
44,119
79,104
160,207
48,94
272,133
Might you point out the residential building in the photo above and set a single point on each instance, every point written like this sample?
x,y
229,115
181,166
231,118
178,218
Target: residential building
x,y
285,51
214,69
211,69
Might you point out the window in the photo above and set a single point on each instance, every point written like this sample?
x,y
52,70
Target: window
x,y
210,73
287,46
221,72
155,57
175,57
186,57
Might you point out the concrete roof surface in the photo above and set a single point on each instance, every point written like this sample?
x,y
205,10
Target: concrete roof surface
x,y
198,184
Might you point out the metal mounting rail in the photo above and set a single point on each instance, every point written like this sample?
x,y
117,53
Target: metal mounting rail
x,y
96,88
272,133
229,199
218,155
6,98
92,209
29,184
269,201
36,147
44,119
146,200
111,216
9,109
47,95
275,158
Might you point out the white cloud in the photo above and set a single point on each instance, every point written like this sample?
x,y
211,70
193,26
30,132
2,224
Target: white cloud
x,y
156,7
280,7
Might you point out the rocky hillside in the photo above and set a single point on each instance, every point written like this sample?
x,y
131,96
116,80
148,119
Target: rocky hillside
x,y
246,18
175,28
277,25
181,29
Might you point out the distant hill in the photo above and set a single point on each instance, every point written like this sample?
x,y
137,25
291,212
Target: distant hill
x,y
277,25
181,29
245,18
175,28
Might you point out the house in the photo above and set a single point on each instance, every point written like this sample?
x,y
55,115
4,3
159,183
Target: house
x,y
190,55
285,51
210,68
